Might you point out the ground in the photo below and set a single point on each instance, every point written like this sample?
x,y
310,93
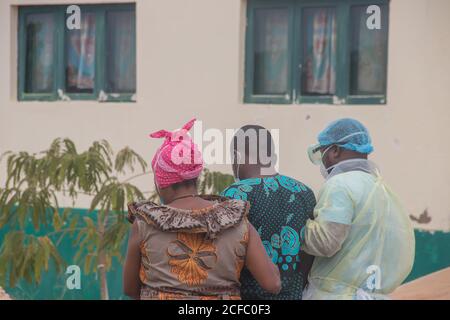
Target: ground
x,y
4,295
435,286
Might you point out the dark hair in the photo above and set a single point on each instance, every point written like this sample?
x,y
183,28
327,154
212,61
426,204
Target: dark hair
x,y
184,184
267,146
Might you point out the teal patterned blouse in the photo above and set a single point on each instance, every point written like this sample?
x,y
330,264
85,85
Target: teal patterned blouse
x,y
280,207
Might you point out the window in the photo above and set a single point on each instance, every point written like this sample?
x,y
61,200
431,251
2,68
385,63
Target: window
x,y
95,62
305,51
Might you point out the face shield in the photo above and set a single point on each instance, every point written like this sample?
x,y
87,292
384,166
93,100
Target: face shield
x,y
314,154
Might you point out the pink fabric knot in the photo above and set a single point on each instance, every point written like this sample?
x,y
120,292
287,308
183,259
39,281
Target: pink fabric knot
x,y
178,158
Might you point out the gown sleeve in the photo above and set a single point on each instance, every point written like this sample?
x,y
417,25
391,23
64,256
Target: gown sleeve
x,y
333,214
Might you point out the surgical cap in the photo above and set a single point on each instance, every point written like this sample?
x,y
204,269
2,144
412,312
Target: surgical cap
x,y
350,134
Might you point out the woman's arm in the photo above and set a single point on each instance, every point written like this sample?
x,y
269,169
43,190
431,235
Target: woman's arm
x,y
259,264
131,281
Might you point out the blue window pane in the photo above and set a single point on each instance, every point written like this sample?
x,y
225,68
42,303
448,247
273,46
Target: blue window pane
x,y
120,52
39,75
368,58
271,54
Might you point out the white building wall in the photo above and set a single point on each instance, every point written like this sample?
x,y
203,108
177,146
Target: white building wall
x,y
190,63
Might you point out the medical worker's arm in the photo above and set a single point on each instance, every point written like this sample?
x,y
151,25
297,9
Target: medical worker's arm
x,y
307,259
325,239
334,212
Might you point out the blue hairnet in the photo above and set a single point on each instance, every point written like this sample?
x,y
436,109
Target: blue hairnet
x,y
350,134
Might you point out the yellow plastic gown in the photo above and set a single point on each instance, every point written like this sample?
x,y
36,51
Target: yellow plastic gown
x,y
362,239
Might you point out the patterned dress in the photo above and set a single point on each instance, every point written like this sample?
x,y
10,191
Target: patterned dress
x,y
191,254
280,207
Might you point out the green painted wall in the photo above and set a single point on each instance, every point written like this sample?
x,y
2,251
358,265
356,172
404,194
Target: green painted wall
x,y
432,254
53,285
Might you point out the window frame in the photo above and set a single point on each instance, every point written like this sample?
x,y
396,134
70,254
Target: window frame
x,y
295,8
59,52
249,65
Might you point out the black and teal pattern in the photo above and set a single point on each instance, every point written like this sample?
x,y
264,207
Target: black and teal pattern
x,y
280,207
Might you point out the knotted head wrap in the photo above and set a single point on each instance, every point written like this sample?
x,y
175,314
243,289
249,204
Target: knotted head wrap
x,y
178,158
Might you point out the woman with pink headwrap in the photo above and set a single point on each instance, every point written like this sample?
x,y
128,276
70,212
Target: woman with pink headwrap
x,y
190,246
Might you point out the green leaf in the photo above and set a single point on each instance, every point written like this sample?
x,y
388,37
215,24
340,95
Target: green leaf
x,y
87,263
89,222
102,195
57,222
128,159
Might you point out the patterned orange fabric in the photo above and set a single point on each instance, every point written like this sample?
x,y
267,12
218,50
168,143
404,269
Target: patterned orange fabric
x,y
190,264
142,274
151,294
220,298
191,254
240,254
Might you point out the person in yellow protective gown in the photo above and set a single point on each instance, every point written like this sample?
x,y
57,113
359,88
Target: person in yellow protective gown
x,y
361,235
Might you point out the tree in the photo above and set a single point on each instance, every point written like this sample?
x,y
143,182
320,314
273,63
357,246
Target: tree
x,y
35,182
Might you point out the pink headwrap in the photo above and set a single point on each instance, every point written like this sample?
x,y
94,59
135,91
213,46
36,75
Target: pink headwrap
x,y
178,158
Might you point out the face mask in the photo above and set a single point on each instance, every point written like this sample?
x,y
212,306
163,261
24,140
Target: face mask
x,y
325,171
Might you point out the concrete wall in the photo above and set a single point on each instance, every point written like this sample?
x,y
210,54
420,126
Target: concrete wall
x,y
190,63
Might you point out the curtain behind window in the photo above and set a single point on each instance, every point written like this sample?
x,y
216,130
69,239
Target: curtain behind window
x,y
271,51
120,56
39,53
80,53
319,74
368,55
